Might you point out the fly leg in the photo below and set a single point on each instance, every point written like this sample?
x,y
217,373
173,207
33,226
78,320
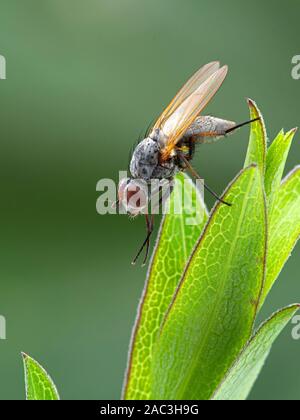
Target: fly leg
x,y
195,175
207,130
150,227
241,125
146,243
191,146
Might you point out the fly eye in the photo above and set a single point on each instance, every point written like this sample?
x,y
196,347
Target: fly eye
x,y
133,196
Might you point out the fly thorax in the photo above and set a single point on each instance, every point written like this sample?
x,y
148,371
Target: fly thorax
x,y
145,159
159,136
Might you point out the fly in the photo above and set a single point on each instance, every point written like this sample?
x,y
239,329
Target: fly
x,y
171,142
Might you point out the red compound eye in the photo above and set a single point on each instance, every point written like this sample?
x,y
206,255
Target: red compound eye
x,y
133,196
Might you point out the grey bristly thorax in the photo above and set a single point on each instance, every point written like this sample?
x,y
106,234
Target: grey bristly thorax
x,y
145,163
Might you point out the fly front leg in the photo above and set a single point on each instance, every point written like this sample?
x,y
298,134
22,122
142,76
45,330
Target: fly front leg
x,y
146,243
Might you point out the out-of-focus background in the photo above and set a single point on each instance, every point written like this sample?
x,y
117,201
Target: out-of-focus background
x,y
84,79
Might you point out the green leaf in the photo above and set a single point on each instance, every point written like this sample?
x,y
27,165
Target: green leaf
x,y
212,315
284,228
276,160
257,149
39,385
242,376
177,237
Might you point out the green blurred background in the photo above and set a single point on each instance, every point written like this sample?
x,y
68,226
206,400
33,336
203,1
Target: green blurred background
x,y
84,78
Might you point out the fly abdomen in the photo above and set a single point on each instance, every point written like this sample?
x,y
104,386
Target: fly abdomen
x,y
207,129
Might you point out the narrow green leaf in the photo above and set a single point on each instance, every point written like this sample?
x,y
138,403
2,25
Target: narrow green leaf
x,y
39,385
257,149
212,315
276,160
242,376
284,228
177,237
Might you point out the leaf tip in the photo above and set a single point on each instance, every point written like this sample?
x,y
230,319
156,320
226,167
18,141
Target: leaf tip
x,y
292,132
253,105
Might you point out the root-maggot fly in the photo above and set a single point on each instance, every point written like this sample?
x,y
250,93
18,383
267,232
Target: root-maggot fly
x,y
170,145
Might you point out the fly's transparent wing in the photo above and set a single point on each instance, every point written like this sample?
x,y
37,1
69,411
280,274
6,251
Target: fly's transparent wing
x,y
190,86
186,113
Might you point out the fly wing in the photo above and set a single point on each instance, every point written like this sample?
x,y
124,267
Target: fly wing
x,y
186,113
191,85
